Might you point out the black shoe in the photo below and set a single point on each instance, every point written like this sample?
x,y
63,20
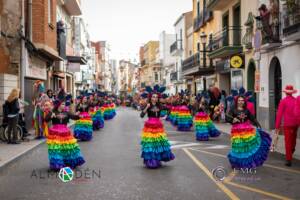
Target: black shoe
x,y
8,142
15,142
288,163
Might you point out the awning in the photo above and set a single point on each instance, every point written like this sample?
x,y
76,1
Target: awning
x,y
59,74
77,59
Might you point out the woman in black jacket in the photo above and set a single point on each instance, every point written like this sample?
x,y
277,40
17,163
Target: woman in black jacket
x,y
12,109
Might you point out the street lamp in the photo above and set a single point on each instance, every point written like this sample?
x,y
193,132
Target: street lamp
x,y
203,39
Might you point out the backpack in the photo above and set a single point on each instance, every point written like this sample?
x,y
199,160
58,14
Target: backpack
x,y
5,109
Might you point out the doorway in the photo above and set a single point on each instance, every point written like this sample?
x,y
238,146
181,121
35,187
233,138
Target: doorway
x,y
275,90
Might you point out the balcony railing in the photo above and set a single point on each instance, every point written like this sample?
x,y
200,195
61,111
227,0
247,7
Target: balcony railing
x,y
174,47
191,62
291,23
227,37
208,15
173,76
198,22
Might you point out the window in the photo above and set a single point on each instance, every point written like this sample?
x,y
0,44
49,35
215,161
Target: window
x,y
50,9
198,8
198,46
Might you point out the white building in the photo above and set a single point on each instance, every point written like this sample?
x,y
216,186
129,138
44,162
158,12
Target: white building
x,y
83,48
279,63
167,61
181,48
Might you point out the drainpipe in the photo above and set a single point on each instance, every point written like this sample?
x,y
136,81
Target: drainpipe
x,y
23,59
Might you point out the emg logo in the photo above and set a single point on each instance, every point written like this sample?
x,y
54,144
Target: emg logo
x,y
219,173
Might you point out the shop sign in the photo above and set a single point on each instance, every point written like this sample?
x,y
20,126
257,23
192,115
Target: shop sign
x,y
237,62
36,69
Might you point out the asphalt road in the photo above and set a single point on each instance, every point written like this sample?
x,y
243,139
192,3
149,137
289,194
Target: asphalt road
x,y
114,170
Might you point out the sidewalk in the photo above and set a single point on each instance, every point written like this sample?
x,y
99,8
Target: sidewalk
x,y
10,153
226,128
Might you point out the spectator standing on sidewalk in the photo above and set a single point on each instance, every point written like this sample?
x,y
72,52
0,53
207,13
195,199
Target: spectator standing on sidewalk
x,y
21,121
11,112
286,116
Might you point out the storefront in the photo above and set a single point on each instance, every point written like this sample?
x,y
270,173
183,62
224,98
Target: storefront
x,y
36,69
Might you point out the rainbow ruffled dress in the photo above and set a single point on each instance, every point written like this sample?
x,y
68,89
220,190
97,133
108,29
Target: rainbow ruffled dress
x,y
63,150
83,129
109,111
250,146
184,119
163,113
155,144
97,118
173,115
204,127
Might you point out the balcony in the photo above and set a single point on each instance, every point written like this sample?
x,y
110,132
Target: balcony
x,y
73,7
176,48
291,24
217,4
226,43
174,76
191,65
198,22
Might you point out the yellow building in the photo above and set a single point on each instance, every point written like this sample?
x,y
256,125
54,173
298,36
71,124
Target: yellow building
x,y
231,47
149,67
199,71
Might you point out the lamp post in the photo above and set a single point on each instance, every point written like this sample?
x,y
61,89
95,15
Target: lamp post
x,y
203,39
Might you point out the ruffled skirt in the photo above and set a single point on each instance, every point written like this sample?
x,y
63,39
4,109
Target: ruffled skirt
x,y
83,129
249,146
98,120
204,127
63,150
155,144
184,119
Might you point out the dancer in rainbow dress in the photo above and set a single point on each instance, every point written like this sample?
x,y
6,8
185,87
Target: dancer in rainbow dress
x,y
184,118
96,118
249,145
204,126
63,150
155,145
83,129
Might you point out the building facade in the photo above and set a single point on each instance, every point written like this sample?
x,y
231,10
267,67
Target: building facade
x,y
167,62
149,67
182,48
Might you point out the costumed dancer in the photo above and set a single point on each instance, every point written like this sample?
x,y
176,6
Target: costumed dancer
x,y
83,129
204,126
38,114
63,150
287,114
249,145
155,145
184,119
108,111
93,101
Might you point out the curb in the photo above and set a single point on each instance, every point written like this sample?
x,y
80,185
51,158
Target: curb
x,y
25,152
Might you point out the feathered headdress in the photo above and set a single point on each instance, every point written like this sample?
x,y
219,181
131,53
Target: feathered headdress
x,y
149,91
61,97
202,94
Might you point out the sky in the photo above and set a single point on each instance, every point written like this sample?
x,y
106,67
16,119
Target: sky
x,y
128,24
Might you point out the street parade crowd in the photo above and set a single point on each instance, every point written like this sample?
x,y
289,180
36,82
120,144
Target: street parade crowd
x,y
250,144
